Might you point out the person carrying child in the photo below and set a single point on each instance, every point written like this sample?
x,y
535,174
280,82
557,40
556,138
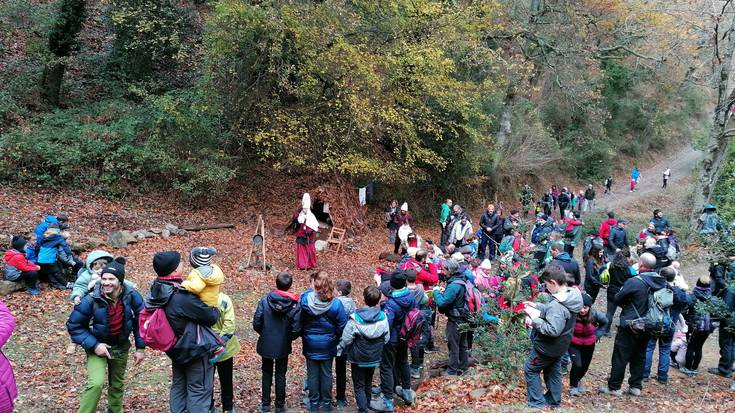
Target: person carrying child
x,y
18,268
553,326
277,321
90,274
364,336
342,291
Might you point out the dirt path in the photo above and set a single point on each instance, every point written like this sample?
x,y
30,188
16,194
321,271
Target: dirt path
x,y
681,163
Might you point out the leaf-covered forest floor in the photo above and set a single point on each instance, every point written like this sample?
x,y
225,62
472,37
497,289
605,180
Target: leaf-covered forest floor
x,y
50,379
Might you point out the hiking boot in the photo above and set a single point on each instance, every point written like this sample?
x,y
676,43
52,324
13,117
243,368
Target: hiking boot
x,y
327,407
263,409
341,405
690,373
581,388
416,373
574,391
663,381
633,391
407,395
34,291
606,390
715,370
381,405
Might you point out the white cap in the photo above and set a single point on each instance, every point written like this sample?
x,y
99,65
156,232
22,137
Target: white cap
x,y
306,201
404,207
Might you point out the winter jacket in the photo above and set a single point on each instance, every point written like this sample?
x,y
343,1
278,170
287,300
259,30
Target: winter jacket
x,y
205,282
277,320
541,233
181,306
323,322
587,334
618,238
401,218
41,228
364,336
444,214
633,296
570,265
681,304
7,379
81,285
427,276
589,194
16,263
348,303
662,260
553,328
48,247
491,225
225,327
618,276
32,252
563,200
605,229
396,307
660,224
700,294
461,233
452,300
592,276
88,325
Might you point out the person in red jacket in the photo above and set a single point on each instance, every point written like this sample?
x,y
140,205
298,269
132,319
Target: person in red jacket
x,y
588,329
18,268
426,272
605,227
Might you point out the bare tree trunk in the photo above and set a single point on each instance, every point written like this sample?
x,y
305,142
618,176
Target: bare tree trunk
x,y
53,75
719,136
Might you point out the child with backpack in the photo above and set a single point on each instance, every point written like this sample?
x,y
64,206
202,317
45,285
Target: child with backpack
x,y
553,325
700,326
277,320
342,290
587,330
394,361
225,327
422,303
362,342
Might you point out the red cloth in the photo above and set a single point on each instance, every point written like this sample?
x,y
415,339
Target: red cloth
x,y
584,334
305,253
115,318
571,223
17,259
427,278
605,229
403,218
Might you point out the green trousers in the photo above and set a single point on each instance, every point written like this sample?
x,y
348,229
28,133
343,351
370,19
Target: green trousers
x,y
99,368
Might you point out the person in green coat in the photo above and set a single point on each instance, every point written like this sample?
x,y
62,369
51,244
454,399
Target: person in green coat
x,y
225,327
450,302
446,210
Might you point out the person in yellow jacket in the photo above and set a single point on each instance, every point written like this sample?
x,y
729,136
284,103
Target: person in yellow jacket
x,y
225,327
206,278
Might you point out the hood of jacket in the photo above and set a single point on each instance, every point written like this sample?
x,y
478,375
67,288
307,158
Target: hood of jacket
x,y
51,240
315,305
403,298
571,299
96,255
281,303
211,274
9,254
161,292
653,280
368,322
611,222
563,257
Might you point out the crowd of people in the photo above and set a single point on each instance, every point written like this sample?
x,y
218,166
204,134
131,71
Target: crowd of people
x,y
385,341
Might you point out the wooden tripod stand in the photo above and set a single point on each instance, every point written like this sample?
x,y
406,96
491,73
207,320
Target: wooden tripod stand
x,y
258,242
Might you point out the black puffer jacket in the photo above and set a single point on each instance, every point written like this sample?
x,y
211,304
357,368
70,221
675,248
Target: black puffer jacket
x,y
633,297
180,305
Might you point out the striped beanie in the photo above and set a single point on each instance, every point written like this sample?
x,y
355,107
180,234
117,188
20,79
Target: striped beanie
x,y
202,256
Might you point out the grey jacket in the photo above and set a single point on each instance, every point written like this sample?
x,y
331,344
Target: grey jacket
x,y
366,332
348,303
552,330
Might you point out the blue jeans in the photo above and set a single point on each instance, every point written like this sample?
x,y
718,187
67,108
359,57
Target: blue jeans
x,y
485,243
551,367
664,357
319,380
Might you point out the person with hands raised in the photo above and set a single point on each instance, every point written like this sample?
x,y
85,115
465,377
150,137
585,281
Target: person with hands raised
x,y
102,323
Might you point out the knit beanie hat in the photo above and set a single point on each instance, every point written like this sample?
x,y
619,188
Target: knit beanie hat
x,y
165,263
201,256
117,268
18,243
587,300
398,280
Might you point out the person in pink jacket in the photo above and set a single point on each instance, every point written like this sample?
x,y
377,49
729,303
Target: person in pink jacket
x,y
7,379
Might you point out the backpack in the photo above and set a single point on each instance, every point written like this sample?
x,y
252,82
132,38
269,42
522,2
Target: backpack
x,y
471,304
155,330
506,244
412,327
657,321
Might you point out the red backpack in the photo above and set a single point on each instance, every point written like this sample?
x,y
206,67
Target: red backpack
x,y
473,300
155,330
413,326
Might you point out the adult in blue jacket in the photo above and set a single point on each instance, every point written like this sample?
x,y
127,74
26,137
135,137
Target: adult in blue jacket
x,y
101,323
52,248
323,318
660,224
